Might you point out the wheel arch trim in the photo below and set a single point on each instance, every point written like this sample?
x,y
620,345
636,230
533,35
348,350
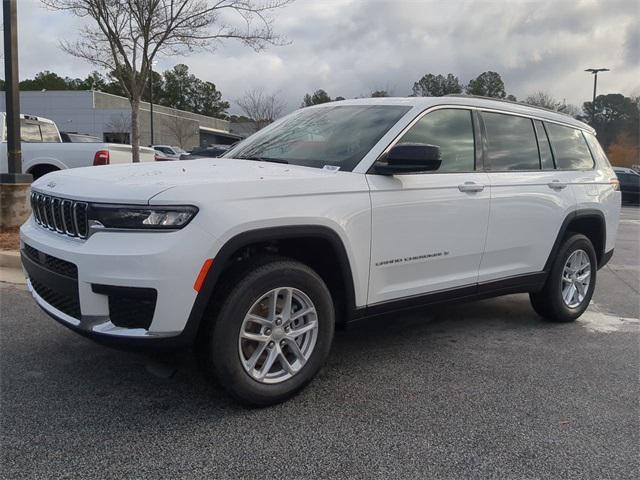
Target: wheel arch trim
x,y
243,239
586,213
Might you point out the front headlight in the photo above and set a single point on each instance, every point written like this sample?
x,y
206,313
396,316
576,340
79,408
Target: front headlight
x,y
140,217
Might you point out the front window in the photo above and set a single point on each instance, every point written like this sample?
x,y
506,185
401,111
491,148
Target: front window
x,y
29,132
338,136
452,131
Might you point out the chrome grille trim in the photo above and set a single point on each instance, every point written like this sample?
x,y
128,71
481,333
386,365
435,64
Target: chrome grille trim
x,y
61,215
69,227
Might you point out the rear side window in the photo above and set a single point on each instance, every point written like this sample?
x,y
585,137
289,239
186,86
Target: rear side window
x,y
546,157
29,132
511,143
49,133
569,147
451,130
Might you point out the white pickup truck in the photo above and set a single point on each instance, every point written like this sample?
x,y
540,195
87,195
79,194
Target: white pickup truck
x,y
43,150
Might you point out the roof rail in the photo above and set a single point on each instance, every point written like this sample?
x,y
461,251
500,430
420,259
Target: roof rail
x,y
513,102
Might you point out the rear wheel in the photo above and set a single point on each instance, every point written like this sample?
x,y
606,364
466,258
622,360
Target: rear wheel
x,y
272,332
41,170
569,287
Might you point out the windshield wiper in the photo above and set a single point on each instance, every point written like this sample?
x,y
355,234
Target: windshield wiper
x,y
265,159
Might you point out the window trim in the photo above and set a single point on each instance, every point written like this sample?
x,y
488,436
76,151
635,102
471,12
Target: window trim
x,y
480,142
474,129
553,153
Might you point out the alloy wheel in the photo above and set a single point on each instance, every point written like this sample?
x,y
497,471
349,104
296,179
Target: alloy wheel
x,y
278,335
576,277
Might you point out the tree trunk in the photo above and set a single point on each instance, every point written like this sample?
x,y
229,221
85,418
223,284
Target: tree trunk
x,y
135,129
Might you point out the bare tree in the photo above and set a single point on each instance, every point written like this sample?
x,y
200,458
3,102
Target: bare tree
x,y
261,107
182,129
544,100
127,35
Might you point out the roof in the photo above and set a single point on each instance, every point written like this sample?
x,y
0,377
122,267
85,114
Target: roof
x,y
471,101
25,116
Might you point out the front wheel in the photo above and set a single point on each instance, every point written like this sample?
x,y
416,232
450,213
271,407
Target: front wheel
x,y
572,279
272,332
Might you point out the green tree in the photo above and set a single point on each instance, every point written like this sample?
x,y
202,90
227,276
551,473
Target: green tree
x,y
616,115
178,87
436,85
207,100
487,84
157,84
44,81
379,94
316,98
184,91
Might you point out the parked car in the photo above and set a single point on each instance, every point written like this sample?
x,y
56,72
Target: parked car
x,y
333,214
169,151
212,151
43,150
78,138
161,157
629,184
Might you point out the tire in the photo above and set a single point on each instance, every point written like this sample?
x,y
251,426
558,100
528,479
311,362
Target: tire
x,y
224,354
41,170
549,302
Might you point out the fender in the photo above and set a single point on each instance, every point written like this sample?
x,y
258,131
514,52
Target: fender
x,y
575,215
221,261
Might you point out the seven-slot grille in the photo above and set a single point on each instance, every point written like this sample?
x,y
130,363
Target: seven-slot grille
x,y
60,215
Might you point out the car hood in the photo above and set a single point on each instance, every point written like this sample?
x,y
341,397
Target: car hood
x,y
139,183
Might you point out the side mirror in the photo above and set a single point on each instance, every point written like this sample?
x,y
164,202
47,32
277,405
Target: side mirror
x,y
410,158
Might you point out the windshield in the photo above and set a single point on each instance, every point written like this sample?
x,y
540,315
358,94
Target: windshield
x,y
339,135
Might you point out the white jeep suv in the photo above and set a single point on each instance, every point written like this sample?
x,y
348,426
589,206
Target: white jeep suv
x,y
332,214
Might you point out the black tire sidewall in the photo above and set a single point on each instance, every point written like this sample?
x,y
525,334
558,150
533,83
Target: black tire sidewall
x,y
224,336
560,309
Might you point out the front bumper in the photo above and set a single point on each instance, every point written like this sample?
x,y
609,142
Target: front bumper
x,y
165,263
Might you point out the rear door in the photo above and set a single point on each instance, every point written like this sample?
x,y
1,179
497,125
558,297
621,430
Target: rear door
x,y
429,229
530,198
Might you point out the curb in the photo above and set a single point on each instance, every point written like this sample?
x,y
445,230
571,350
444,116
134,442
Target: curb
x,y
10,259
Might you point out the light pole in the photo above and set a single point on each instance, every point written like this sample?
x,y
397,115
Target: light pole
x,y
12,95
151,98
595,71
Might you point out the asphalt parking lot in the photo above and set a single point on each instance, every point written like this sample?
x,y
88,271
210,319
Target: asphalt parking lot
x,y
481,390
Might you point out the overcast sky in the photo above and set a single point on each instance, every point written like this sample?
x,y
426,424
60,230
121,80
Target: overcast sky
x,y
351,47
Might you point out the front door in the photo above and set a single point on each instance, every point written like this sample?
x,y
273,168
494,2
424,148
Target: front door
x,y
429,229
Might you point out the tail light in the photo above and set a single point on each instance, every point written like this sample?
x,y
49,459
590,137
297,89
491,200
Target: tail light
x,y
101,157
615,183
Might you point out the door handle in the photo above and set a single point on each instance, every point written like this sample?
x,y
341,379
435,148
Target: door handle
x,y
470,187
556,185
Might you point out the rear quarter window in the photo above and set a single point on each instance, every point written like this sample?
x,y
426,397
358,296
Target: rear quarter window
x,y
49,133
569,147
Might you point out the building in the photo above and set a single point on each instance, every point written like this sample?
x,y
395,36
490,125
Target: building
x,y
109,117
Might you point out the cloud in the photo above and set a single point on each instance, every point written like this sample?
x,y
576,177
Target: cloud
x,y
350,47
